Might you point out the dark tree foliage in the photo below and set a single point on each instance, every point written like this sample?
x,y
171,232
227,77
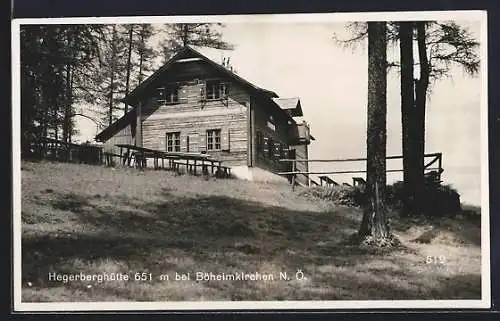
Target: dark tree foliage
x,y
139,55
179,35
144,52
440,45
51,58
86,71
105,84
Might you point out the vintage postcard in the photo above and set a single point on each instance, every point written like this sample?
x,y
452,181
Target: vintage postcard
x,y
285,161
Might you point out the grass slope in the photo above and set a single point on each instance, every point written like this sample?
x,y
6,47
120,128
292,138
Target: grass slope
x,y
95,220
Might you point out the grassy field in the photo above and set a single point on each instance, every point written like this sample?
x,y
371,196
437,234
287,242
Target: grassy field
x,y
96,220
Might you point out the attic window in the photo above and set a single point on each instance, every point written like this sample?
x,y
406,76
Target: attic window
x,y
168,95
216,90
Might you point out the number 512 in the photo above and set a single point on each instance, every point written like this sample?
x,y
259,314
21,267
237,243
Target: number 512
x,y
435,259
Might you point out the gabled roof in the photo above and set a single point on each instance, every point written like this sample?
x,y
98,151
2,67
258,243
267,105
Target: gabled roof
x,y
185,52
116,126
291,105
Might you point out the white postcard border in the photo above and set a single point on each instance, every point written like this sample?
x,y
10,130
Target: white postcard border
x,y
485,301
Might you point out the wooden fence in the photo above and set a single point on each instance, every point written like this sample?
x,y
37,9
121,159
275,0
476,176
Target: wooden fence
x,y
58,150
436,171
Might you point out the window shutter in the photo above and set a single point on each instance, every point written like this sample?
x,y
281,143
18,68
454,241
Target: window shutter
x,y
202,141
224,138
193,142
224,89
183,143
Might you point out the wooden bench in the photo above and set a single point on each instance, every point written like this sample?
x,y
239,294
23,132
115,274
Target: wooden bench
x,y
218,170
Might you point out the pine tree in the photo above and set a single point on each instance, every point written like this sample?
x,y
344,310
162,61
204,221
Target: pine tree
x,y
144,52
407,108
105,85
375,221
440,45
197,34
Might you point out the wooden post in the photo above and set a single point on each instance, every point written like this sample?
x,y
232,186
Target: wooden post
x,y
440,163
195,167
293,175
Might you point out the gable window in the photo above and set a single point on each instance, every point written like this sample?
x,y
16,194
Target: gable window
x,y
174,142
168,95
213,139
216,90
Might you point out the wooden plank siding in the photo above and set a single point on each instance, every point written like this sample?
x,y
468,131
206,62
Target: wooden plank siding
x,y
193,116
301,152
124,136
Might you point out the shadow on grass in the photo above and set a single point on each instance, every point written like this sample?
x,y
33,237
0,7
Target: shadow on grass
x,y
215,233
465,226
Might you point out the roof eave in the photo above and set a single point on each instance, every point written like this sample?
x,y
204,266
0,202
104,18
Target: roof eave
x,y
132,96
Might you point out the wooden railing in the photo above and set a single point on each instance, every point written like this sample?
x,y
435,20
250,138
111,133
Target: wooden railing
x,y
435,158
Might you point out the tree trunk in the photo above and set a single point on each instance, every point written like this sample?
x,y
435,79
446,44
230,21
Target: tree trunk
x,y
129,64
185,34
418,120
71,124
407,111
111,97
112,81
375,221
67,108
141,57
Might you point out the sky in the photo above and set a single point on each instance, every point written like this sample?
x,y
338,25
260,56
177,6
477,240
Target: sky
x,y
302,60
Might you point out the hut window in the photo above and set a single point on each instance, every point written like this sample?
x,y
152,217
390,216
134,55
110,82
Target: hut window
x,y
265,148
174,142
168,95
172,94
213,90
213,139
216,90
